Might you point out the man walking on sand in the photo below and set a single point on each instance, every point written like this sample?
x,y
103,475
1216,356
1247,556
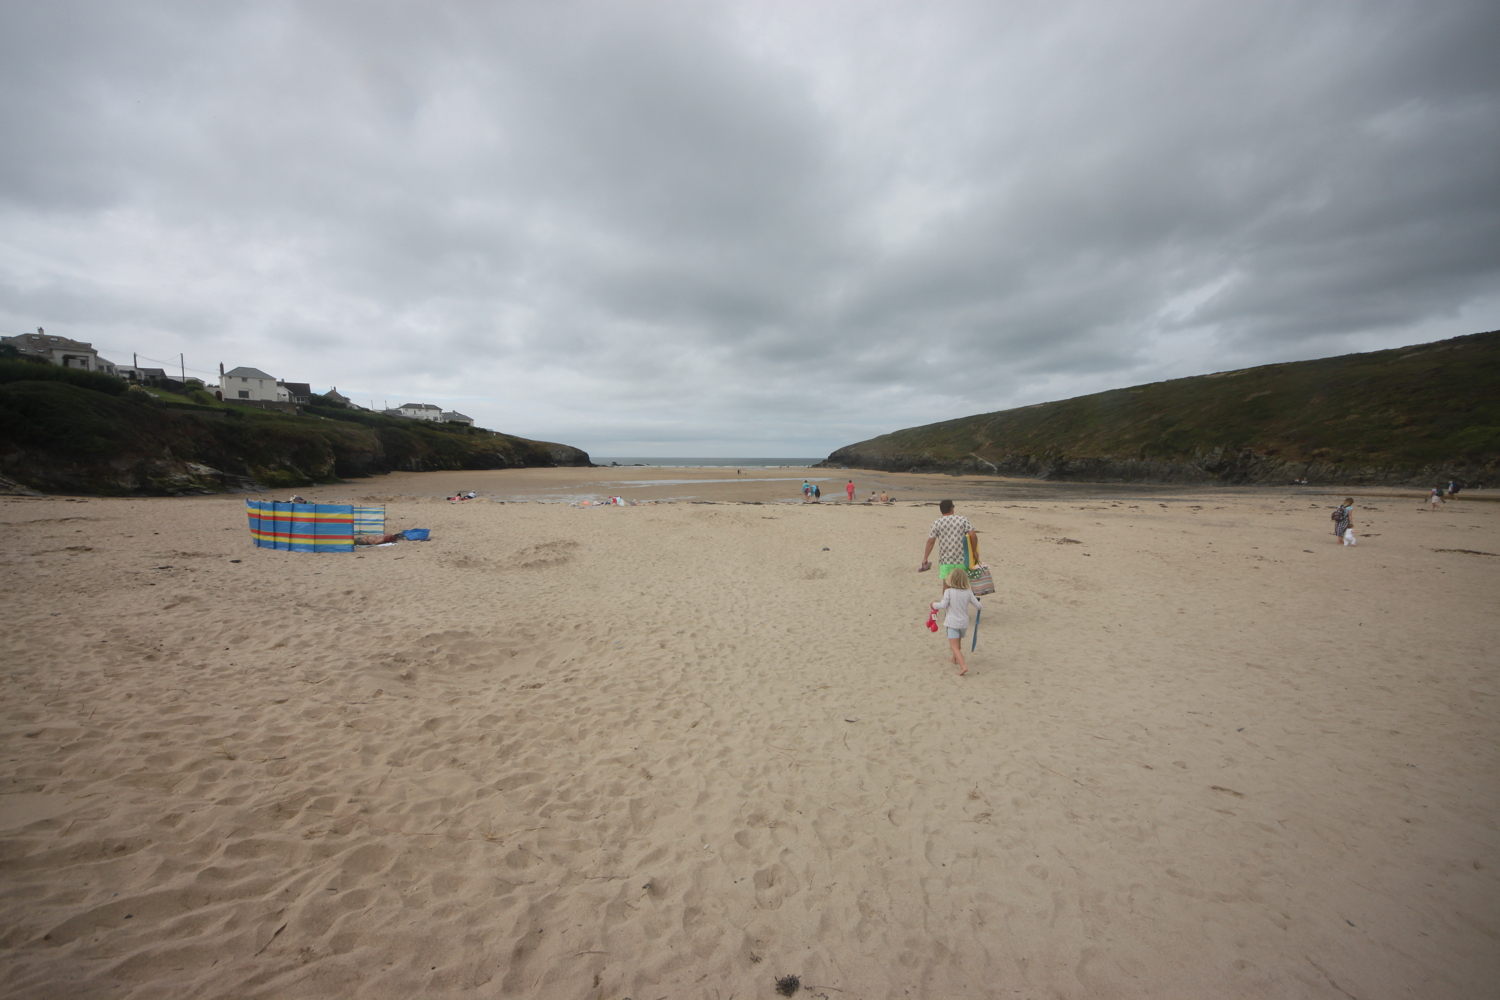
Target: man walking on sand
x,y
948,533
850,490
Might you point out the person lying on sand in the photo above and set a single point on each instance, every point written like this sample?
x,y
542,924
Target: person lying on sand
x,y
377,539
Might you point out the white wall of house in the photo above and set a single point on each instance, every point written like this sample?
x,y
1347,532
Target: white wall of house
x,y
421,411
253,384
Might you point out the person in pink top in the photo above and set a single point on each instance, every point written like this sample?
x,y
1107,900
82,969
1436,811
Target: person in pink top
x,y
850,490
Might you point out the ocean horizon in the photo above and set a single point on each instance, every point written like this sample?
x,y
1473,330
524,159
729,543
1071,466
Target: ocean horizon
x,y
711,463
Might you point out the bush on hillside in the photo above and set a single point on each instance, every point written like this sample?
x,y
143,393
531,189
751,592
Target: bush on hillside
x,y
63,419
28,370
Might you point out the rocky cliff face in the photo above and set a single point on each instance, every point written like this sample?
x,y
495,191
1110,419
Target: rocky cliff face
x,y
1240,468
59,438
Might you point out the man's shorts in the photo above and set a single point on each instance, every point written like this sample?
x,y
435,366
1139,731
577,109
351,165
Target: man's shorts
x,y
945,568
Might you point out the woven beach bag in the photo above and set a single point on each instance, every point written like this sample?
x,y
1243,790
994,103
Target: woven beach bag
x,y
981,581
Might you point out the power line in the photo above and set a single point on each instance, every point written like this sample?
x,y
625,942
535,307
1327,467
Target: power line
x,y
165,363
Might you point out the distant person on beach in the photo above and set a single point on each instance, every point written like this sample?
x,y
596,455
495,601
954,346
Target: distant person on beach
x,y
1436,497
884,498
850,490
957,599
806,489
1341,518
1453,487
948,533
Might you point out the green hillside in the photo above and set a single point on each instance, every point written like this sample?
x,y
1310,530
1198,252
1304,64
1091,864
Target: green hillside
x,y
98,436
1408,416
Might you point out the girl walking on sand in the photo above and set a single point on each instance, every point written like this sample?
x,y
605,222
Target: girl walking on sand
x,y
957,599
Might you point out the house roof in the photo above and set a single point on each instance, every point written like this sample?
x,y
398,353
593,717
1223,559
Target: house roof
x,y
46,342
419,406
335,394
299,388
454,414
243,372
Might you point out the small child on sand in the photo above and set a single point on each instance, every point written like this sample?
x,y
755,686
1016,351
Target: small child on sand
x,y
957,599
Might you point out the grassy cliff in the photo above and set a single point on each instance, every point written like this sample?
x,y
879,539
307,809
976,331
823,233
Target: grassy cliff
x,y
66,435
1408,416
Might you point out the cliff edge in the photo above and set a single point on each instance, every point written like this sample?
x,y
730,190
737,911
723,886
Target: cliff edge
x,y
1409,416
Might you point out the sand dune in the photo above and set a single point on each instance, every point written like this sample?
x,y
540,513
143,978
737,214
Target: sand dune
x,y
683,750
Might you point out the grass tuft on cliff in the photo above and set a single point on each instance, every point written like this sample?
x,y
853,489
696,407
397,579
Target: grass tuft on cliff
x,y
1403,415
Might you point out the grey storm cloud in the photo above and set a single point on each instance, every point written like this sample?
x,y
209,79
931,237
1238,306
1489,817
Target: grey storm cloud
x,y
747,228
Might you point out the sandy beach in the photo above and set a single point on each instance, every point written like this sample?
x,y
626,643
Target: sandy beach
x,y
683,750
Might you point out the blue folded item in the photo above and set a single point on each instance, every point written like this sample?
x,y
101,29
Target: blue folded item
x,y
415,534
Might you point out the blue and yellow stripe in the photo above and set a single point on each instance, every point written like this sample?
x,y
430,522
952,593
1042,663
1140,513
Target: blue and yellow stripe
x,y
301,527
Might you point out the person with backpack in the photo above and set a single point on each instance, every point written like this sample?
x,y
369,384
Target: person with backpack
x,y
1342,522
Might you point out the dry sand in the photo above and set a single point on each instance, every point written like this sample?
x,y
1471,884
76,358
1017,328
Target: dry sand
x,y
684,750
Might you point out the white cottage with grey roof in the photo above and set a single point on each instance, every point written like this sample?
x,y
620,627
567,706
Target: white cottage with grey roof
x,y
417,411
253,384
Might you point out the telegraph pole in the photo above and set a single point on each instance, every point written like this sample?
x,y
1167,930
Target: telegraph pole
x,y
182,366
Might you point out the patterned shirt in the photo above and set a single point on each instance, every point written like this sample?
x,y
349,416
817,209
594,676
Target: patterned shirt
x,y
950,531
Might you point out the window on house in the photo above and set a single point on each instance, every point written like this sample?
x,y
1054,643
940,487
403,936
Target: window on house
x,y
244,393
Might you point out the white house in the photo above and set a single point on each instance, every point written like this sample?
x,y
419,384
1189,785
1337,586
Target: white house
x,y
60,351
298,392
417,411
253,384
454,417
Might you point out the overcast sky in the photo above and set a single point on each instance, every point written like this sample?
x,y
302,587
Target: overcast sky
x,y
761,228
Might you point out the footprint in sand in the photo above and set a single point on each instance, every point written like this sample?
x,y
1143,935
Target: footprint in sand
x,y
773,885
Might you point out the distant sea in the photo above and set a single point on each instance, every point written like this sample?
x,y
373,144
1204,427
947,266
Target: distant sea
x,y
711,463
